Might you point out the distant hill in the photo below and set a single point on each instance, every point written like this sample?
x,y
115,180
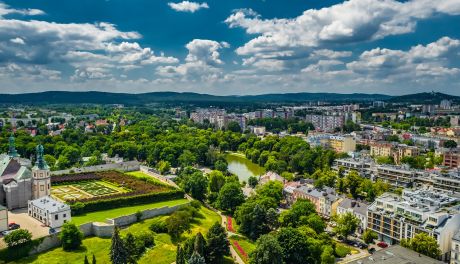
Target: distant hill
x,y
59,97
424,98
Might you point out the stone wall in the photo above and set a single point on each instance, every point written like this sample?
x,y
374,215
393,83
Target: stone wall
x,y
146,214
47,243
123,166
154,173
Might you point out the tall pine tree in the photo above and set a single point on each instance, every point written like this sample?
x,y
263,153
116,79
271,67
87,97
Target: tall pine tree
x,y
180,258
118,252
217,245
199,246
94,259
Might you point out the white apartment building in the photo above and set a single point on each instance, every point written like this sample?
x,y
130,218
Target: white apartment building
x,y
3,218
395,217
326,123
455,249
50,212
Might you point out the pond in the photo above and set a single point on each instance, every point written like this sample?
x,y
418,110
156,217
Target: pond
x,y
242,167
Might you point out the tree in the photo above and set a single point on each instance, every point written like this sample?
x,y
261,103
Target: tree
x,y
118,252
315,222
180,258
163,166
131,248
177,223
327,257
200,244
221,165
346,224
259,224
86,261
298,209
217,245
353,182
272,218
450,144
197,185
196,259
71,237
253,181
423,244
234,126
230,196
216,180
94,260
295,246
18,237
272,189
267,251
369,236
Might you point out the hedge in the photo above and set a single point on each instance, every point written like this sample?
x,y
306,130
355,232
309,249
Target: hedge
x,y
79,208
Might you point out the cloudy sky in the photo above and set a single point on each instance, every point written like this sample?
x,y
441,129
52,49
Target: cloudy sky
x,y
230,47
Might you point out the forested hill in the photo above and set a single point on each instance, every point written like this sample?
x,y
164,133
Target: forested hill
x,y
424,98
59,97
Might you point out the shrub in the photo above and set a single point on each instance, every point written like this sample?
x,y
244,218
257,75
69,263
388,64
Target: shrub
x,y
70,236
196,204
146,239
18,238
122,201
158,227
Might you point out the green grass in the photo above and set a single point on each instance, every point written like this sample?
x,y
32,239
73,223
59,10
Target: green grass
x,y
342,250
140,174
164,251
101,216
247,245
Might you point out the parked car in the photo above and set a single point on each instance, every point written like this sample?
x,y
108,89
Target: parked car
x,y
52,231
13,226
6,232
382,244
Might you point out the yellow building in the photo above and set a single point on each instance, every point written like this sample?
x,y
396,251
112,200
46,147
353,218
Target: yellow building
x,y
342,143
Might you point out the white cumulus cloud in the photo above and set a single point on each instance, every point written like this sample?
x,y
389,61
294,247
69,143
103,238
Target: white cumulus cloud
x,y
187,6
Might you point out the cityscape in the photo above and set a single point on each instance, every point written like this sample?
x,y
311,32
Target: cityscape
x,y
220,132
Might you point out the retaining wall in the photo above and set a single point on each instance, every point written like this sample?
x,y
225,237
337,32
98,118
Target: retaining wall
x,y
123,166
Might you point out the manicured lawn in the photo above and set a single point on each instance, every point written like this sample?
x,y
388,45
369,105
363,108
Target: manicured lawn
x,y
94,245
101,216
85,189
164,251
247,245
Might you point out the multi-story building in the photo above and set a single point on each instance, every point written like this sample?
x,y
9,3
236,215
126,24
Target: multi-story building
x,y
446,180
451,158
357,208
455,249
50,212
381,149
396,176
323,200
403,150
395,217
326,123
362,165
344,143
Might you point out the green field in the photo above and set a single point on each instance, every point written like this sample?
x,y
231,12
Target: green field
x,y
101,216
164,251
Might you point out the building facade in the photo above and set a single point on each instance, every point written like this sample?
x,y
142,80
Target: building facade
x,y
50,212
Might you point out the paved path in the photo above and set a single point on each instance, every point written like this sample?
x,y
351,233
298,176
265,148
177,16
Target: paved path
x,y
233,252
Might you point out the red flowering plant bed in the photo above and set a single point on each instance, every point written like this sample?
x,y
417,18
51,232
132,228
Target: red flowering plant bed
x,y
241,251
230,224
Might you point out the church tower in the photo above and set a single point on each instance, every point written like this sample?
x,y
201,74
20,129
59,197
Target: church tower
x,y
12,147
41,176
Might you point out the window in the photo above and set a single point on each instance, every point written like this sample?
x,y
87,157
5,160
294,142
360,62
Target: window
x,y
56,217
64,215
42,188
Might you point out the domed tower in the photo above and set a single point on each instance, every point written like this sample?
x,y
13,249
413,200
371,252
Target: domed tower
x,y
41,176
12,147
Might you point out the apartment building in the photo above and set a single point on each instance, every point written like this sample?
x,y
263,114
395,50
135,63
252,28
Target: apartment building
x,y
397,151
395,217
345,143
451,158
455,249
396,176
324,200
326,123
361,165
381,149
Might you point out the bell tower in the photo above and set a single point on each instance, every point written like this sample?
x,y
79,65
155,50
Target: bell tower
x,y
12,147
41,176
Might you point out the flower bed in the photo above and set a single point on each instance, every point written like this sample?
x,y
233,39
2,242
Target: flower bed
x,y
230,224
241,251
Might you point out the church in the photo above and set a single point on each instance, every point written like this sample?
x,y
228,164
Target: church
x,y
19,181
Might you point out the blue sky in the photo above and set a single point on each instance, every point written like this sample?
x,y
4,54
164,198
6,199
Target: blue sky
x,y
230,47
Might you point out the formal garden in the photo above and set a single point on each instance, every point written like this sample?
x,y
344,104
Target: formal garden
x,y
101,191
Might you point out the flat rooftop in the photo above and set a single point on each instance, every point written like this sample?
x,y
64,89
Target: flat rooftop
x,y
396,255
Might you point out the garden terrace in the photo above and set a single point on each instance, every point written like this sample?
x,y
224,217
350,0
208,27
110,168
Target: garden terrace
x,y
89,192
